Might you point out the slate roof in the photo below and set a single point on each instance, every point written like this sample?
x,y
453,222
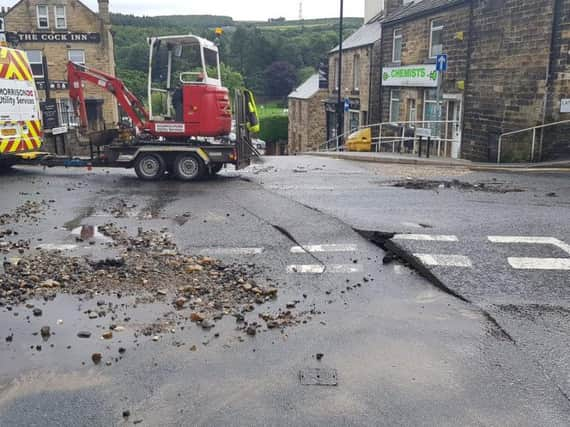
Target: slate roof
x,y
418,7
308,89
364,36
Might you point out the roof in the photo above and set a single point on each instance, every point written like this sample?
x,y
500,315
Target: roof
x,y
78,1
308,89
418,7
366,35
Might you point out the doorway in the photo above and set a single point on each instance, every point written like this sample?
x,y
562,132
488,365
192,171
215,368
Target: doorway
x,y
454,126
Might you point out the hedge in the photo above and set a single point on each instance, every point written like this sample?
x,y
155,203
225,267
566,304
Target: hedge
x,y
274,128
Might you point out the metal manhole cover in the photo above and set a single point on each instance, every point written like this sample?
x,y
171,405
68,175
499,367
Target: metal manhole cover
x,y
318,376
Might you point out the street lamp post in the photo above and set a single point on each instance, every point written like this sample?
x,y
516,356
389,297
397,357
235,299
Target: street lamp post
x,y
340,106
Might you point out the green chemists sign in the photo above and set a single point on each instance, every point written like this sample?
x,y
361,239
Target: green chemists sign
x,y
411,76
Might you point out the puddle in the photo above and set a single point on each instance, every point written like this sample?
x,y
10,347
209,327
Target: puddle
x,y
76,222
66,316
90,232
420,184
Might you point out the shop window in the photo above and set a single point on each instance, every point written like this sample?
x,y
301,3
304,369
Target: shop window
x,y
397,46
431,112
60,17
436,38
35,58
356,72
77,56
354,120
395,105
42,15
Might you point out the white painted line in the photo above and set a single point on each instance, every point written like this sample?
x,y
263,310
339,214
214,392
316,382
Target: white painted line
x,y
445,260
231,251
532,241
426,237
540,263
56,247
319,269
339,247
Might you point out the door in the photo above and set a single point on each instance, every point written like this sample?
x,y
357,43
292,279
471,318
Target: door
x,y
455,125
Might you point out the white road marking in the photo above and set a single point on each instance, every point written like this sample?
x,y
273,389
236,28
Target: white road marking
x,y
532,241
339,247
319,269
444,260
56,247
540,263
231,251
426,237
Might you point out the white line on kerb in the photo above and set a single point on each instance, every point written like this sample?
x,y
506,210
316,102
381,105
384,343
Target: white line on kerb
x,y
319,269
231,251
426,237
336,247
444,260
532,241
540,263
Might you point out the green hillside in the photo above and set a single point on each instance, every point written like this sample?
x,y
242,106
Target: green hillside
x,y
271,58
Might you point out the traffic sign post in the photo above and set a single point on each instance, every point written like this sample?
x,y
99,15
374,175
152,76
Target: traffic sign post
x,y
441,67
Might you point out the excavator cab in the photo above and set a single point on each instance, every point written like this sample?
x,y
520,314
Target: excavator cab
x,y
185,93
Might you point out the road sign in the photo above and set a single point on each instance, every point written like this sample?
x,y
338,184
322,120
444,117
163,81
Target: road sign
x,y
346,105
441,63
59,130
423,132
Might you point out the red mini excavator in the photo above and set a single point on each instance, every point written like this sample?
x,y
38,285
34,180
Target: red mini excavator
x,y
185,128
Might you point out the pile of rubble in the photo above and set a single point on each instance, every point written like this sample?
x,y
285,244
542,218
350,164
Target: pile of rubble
x,y
30,211
149,267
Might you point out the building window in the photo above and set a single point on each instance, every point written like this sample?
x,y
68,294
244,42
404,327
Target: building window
x,y
60,17
77,56
43,16
436,38
35,58
395,105
431,113
397,46
356,72
354,120
66,112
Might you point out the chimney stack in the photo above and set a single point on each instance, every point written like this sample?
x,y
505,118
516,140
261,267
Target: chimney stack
x,y
392,5
104,11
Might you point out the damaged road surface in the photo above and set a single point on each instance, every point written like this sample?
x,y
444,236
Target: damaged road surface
x,y
227,302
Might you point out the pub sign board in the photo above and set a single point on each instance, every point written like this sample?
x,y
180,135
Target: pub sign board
x,y
23,37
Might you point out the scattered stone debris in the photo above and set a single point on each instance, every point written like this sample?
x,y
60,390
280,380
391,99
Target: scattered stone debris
x,y
96,358
420,184
84,334
30,212
319,356
45,331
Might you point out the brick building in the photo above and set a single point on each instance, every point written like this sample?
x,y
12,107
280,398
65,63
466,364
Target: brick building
x,y
358,59
307,116
508,70
63,30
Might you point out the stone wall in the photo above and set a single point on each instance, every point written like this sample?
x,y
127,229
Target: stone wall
x,y
307,123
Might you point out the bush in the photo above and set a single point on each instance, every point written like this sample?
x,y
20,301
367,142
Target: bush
x,y
274,128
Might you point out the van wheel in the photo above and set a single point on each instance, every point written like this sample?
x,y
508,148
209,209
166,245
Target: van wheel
x,y
150,166
188,167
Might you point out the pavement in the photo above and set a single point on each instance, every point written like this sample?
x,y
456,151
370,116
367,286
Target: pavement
x,y
402,350
408,159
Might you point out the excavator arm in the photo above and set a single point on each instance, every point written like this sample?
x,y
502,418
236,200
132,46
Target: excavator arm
x,y
131,105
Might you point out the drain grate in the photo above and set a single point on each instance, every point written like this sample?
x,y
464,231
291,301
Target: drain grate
x,y
318,376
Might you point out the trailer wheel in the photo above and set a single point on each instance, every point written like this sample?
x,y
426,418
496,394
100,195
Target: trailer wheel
x,y
150,166
188,167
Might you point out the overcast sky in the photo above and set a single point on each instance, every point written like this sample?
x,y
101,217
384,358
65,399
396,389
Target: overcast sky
x,y
237,9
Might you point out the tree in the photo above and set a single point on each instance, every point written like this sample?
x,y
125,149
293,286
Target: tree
x,y
281,78
304,73
231,79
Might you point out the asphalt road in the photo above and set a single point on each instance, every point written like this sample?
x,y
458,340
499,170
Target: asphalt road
x,y
405,352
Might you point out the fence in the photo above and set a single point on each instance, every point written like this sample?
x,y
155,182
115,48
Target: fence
x,y
402,137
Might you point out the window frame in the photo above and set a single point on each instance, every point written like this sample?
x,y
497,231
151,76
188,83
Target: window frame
x,y
432,30
429,100
41,62
392,100
39,16
394,37
57,17
356,72
76,50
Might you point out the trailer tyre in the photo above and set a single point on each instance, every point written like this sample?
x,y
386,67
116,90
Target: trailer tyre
x,y
150,166
188,167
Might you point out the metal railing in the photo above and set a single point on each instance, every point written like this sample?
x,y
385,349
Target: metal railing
x,y
533,141
402,133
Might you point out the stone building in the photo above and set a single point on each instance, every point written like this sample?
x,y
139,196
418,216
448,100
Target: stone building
x,y
357,61
60,31
307,116
508,70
